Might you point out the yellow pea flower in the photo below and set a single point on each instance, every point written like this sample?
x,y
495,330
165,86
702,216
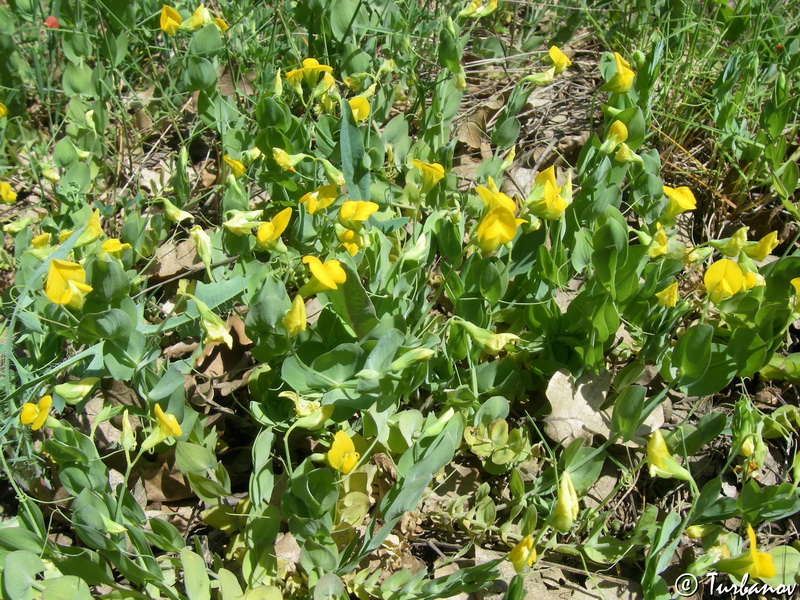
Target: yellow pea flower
x,y
681,199
199,19
170,20
168,426
3,110
114,246
212,324
759,565
796,285
351,241
493,197
66,284
546,199
658,246
295,319
285,160
237,167
41,241
668,297
360,107
353,213
320,198
498,227
478,8
723,279
269,234
752,280
622,80
36,414
625,154
309,72
325,276
343,456
432,173
660,462
523,554
221,24
560,60
617,134
567,506
93,231
7,194
763,248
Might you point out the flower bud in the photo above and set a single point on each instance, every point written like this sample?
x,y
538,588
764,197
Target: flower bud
x,y
567,506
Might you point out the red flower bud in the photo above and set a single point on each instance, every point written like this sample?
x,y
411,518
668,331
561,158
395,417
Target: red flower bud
x,y
51,22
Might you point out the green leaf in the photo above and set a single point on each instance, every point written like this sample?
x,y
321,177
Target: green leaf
x,y
193,458
195,576
207,41
201,74
25,566
65,588
506,133
109,324
351,303
627,415
77,80
342,14
356,176
692,353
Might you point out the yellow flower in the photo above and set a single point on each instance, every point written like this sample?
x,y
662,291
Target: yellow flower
x,y
432,173
617,134
560,60
660,462
752,280
658,246
492,197
523,554
295,319
796,285
36,414
7,195
668,297
269,233
167,423
625,154
237,167
40,241
491,343
546,199
763,248
199,19
202,242
680,200
170,20
567,506
723,279
220,22
753,563
322,197
242,222
343,456
478,8
175,214
3,110
622,80
498,227
350,240
285,160
324,276
212,324
360,108
353,213
309,73
93,231
114,246
66,284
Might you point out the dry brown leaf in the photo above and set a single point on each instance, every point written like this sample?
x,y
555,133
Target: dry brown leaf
x,y
172,259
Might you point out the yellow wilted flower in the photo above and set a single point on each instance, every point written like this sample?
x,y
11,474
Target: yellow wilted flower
x,y
66,284
241,222
285,160
269,233
498,227
723,279
668,297
202,242
7,194
351,241
622,80
353,213
74,391
360,108
523,554
567,506
493,197
753,563
343,456
560,60
175,214
36,414
237,167
681,199
114,246
324,276
295,319
432,173
322,197
170,20
763,248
